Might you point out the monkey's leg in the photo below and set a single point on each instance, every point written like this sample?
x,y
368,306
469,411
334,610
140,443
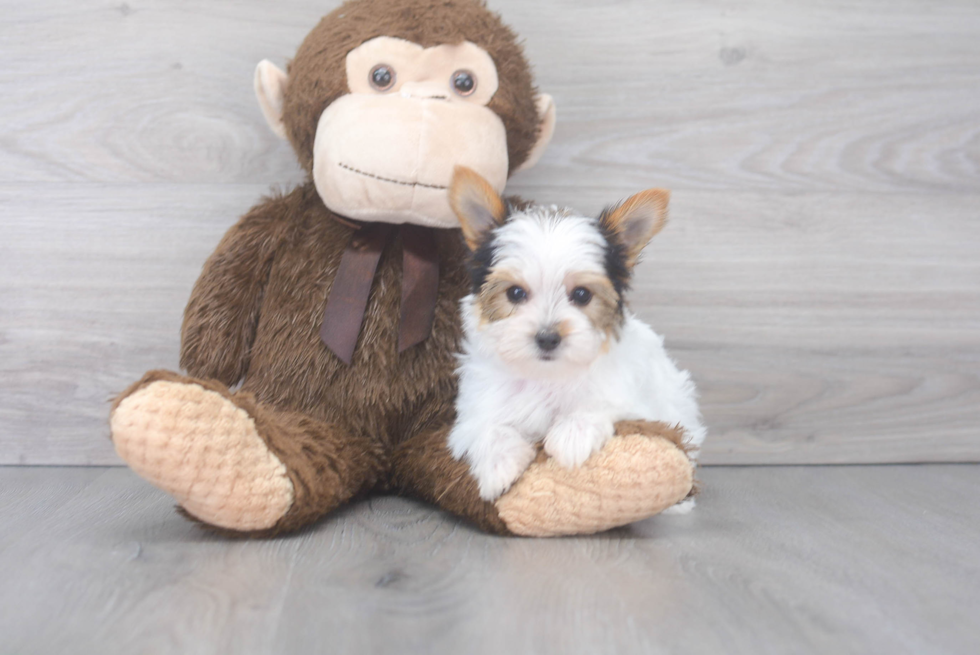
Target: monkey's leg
x,y
637,474
424,467
234,463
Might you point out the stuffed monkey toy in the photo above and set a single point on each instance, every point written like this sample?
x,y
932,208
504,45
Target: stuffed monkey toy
x,y
319,341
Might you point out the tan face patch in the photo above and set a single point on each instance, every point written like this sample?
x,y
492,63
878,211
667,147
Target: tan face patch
x,y
415,66
492,301
564,328
604,309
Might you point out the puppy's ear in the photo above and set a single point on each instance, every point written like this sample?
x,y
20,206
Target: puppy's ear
x,y
476,204
637,219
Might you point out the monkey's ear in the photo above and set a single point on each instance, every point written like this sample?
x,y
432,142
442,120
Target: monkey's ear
x,y
548,116
476,204
637,219
270,86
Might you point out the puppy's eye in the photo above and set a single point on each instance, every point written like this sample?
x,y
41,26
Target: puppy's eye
x,y
464,82
382,77
516,294
581,296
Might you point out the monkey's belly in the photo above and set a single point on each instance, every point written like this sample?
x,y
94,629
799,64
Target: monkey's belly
x,y
292,369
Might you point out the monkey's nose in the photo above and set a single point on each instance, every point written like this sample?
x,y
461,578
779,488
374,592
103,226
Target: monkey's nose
x,y
547,340
423,91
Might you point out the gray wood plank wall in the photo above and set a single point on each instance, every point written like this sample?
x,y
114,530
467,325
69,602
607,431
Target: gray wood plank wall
x,y
820,276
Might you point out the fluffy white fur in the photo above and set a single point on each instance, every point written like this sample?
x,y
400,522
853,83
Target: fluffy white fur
x,y
513,395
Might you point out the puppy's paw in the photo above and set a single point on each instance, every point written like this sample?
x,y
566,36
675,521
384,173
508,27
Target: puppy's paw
x,y
573,438
504,458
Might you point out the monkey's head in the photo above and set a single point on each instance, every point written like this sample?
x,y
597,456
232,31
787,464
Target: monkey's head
x,y
386,97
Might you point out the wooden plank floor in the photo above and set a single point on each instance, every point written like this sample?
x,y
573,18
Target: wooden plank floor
x,y
856,559
819,276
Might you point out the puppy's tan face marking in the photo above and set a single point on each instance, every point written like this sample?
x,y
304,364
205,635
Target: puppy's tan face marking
x,y
604,309
564,328
493,301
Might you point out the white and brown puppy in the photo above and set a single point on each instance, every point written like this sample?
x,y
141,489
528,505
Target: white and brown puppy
x,y
550,350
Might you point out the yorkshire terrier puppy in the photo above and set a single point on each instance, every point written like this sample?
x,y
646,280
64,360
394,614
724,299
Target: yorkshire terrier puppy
x,y
550,351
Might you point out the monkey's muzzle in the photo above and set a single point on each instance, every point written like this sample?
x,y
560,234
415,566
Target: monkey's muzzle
x,y
390,159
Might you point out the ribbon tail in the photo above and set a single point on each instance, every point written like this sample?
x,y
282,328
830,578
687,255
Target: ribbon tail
x,y
420,285
344,313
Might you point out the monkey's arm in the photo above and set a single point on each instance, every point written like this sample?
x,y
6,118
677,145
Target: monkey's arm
x,y
223,311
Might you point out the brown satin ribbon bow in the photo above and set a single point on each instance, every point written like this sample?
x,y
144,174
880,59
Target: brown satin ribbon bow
x,y
348,299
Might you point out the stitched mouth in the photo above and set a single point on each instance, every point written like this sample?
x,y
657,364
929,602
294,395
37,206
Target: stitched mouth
x,y
390,180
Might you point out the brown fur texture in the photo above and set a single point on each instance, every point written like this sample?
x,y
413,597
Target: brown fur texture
x,y
254,316
341,431
423,468
274,328
326,464
317,74
256,310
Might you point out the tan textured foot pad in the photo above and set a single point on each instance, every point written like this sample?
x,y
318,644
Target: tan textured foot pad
x,y
633,477
204,450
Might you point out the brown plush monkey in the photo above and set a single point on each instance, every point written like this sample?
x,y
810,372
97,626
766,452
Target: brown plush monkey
x,y
335,306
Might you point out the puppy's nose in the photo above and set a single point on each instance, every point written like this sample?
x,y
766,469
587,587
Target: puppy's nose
x,y
547,340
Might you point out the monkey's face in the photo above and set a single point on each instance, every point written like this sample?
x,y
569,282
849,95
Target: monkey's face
x,y
386,150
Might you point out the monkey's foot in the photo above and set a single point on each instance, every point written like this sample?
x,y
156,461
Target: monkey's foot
x,y
204,450
634,476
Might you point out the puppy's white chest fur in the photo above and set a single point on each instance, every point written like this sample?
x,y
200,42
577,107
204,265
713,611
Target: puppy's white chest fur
x,y
531,405
501,415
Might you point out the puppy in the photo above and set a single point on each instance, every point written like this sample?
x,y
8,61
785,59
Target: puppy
x,y
550,351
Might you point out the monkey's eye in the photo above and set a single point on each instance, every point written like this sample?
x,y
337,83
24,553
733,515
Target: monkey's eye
x,y
464,82
382,77
516,294
581,296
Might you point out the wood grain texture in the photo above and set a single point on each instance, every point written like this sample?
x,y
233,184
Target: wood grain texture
x,y
819,276
848,559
